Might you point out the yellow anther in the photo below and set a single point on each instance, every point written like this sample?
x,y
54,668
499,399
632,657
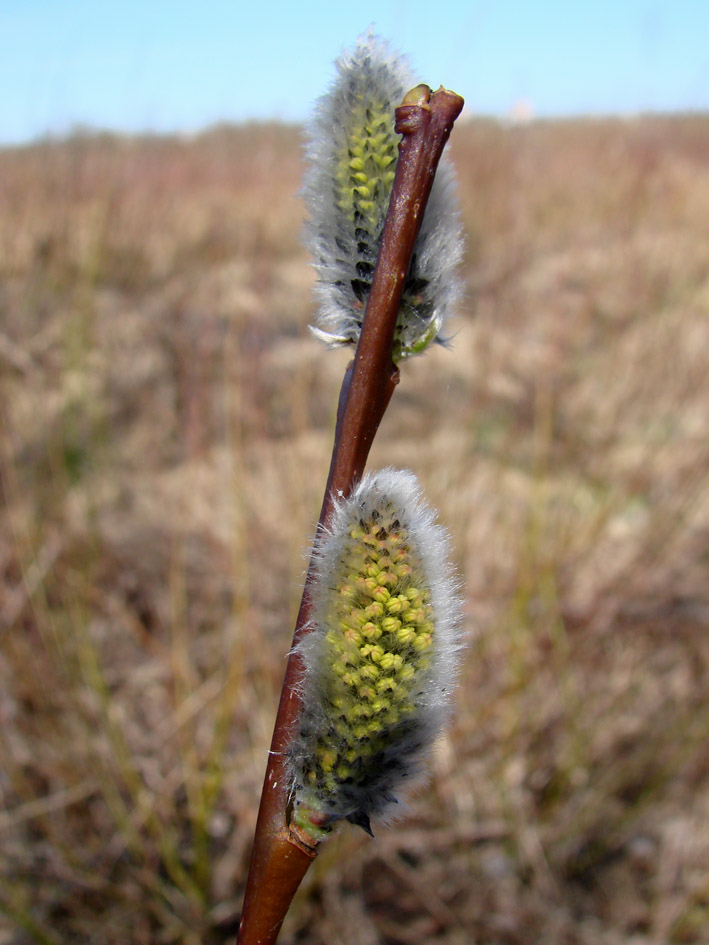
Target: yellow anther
x,y
387,661
368,671
371,631
406,673
423,641
353,636
328,757
394,605
376,653
406,634
360,710
380,704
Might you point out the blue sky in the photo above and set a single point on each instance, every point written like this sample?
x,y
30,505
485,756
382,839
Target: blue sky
x,y
182,65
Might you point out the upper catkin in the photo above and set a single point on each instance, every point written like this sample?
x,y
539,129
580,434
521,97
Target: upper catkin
x,y
351,154
380,658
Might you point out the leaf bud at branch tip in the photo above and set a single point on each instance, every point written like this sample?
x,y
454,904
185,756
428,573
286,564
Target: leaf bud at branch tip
x,y
421,95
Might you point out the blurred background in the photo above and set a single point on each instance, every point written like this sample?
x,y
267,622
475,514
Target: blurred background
x,y
166,423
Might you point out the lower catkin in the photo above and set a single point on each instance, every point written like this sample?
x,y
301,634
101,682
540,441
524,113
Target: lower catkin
x,y
379,663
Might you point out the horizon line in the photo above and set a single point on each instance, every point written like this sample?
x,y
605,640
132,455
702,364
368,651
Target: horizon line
x,y
511,119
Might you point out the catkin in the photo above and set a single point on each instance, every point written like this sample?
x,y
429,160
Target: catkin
x,y
351,154
380,659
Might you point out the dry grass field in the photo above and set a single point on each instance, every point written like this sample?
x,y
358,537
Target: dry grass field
x,y
165,428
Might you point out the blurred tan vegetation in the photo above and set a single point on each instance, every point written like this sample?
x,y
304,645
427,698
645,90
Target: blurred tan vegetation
x,y
165,429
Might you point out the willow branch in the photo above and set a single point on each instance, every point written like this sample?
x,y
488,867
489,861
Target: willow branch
x,y
281,856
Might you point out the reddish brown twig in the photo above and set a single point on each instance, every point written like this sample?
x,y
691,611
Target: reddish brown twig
x,y
280,856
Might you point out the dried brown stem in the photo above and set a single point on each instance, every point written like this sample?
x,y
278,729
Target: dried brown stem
x,y
280,858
